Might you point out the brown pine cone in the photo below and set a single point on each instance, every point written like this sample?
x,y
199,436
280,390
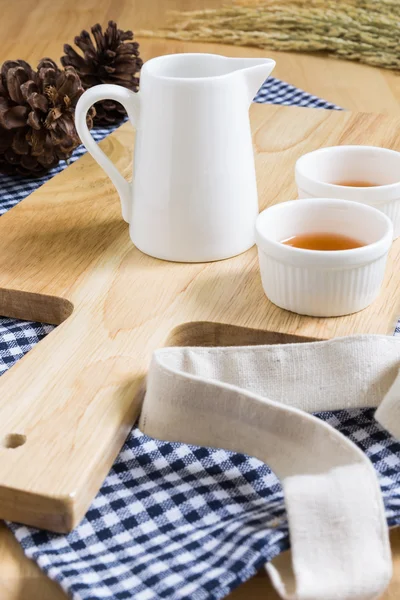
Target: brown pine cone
x,y
37,127
112,60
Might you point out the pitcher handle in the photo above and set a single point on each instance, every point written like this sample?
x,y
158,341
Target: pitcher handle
x,y
130,101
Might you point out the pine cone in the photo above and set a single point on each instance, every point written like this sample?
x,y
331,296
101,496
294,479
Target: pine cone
x,y
37,127
110,61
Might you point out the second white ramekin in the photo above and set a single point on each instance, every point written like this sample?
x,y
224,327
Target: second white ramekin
x,y
317,171
322,283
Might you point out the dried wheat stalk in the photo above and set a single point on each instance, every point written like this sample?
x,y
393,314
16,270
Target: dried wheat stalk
x,y
363,30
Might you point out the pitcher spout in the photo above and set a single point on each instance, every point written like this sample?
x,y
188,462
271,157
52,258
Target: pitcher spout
x,y
198,68
255,71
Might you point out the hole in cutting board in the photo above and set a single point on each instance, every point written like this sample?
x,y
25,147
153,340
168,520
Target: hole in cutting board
x,y
14,440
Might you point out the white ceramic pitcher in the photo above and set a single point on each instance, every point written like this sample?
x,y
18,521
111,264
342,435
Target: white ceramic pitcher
x,y
194,194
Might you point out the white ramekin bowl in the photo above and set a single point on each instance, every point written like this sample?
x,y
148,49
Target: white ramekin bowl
x,y
322,283
317,172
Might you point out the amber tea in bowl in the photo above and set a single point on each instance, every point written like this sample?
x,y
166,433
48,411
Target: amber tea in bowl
x,y
325,241
366,174
355,183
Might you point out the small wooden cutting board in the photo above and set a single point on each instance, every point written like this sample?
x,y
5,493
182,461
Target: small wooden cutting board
x,y
66,258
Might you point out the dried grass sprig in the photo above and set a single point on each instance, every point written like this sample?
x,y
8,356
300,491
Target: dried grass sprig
x,y
363,30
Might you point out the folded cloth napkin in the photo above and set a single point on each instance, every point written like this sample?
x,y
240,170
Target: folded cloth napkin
x,y
173,520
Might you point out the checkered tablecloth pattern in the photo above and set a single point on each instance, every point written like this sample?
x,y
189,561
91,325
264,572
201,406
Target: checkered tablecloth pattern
x,y
171,520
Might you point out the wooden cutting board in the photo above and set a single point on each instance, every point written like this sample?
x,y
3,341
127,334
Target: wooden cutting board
x,y
66,257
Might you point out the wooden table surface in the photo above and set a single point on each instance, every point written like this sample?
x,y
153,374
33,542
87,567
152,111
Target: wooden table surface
x,y
33,29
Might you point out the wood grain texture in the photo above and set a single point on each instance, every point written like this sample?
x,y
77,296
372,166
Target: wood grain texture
x,y
20,578
66,246
46,25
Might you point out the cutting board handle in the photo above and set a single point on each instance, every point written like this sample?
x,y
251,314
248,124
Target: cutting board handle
x,y
130,101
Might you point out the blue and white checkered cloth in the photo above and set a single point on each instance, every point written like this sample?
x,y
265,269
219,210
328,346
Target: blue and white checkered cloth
x,y
171,520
